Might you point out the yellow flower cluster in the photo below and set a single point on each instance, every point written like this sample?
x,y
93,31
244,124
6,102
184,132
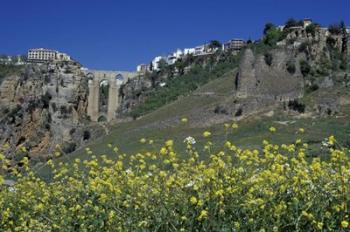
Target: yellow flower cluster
x,y
275,188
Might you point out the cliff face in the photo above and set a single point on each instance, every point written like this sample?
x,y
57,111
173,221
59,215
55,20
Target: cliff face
x,y
44,106
133,93
273,82
283,75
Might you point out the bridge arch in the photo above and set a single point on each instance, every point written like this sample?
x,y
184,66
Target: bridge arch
x,y
103,98
104,89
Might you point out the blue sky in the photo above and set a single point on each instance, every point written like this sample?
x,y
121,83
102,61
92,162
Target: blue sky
x,y
119,34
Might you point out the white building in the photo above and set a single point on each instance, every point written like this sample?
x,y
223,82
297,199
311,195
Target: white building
x,y
43,54
189,51
172,58
178,54
234,44
62,56
155,62
200,50
307,22
142,68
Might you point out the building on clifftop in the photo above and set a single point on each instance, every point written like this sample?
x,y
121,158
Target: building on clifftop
x,y
43,55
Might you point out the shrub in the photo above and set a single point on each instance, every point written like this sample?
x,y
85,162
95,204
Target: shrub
x,y
312,88
296,106
335,29
272,36
311,29
268,58
305,68
68,147
293,23
330,42
303,47
291,66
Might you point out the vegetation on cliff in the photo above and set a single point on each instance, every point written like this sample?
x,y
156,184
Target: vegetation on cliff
x,y
8,70
201,71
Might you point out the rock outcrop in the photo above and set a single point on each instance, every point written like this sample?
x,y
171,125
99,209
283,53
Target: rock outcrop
x,y
43,107
273,82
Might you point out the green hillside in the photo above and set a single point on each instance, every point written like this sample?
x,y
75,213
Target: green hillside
x,y
165,123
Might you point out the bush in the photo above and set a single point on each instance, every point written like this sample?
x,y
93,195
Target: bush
x,y
311,29
335,29
304,47
305,68
68,147
296,106
293,23
272,36
330,42
291,66
312,88
7,70
268,58
277,188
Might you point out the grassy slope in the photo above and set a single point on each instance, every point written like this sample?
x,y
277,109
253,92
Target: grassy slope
x,y
250,133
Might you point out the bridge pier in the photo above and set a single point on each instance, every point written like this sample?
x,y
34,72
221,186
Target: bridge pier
x,y
115,79
93,99
112,100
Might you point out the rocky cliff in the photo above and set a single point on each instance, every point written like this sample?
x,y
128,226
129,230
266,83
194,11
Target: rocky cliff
x,y
44,106
288,73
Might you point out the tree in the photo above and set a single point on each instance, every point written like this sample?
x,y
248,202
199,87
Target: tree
x,y
291,22
14,59
311,29
23,58
180,66
214,44
344,47
305,68
3,57
268,26
335,28
162,64
272,36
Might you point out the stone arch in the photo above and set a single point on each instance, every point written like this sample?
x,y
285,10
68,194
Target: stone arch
x,y
90,76
119,78
102,118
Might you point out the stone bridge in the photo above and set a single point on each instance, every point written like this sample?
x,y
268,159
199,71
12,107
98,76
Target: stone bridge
x,y
105,84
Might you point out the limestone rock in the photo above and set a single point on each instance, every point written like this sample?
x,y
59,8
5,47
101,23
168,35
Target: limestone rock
x,y
43,106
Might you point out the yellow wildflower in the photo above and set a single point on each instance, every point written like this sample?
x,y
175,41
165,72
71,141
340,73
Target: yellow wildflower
x,y
169,143
206,134
203,215
331,140
234,126
193,200
184,120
